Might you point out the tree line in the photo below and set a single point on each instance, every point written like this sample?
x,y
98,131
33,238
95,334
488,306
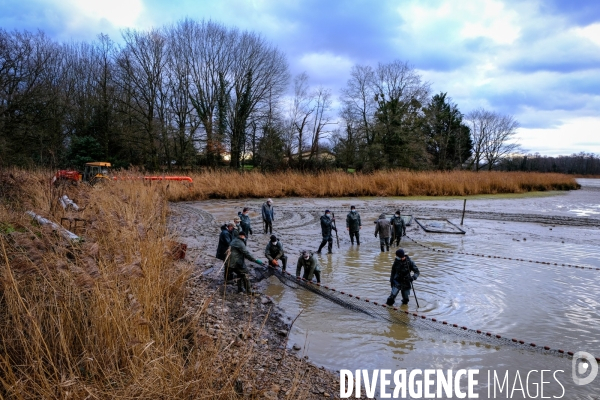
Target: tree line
x,y
578,164
203,94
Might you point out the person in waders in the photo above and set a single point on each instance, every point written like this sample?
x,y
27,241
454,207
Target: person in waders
x,y
309,262
237,265
274,253
398,228
353,225
327,225
400,278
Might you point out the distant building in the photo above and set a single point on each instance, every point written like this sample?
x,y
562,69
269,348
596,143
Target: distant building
x,y
323,155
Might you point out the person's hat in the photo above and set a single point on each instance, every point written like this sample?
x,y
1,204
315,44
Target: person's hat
x,y
237,219
242,233
273,238
400,253
352,207
326,211
269,201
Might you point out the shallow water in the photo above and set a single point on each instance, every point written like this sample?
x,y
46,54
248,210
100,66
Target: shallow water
x,y
545,304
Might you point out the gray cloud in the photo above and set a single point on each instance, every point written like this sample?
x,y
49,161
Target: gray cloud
x,y
521,58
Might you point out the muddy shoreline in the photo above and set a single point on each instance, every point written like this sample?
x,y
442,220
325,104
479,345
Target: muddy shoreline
x,y
252,330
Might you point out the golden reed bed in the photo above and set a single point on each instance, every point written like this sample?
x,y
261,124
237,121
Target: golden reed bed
x,y
104,318
233,185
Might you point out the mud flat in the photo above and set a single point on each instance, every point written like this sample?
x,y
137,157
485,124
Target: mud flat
x,y
499,277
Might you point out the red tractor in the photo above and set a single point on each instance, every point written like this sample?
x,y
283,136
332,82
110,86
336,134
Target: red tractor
x,y
93,173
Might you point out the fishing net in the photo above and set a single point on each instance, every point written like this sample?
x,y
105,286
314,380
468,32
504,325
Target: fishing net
x,y
438,225
397,316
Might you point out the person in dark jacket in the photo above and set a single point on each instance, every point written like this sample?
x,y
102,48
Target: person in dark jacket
x,y
239,253
245,221
353,225
274,252
309,262
224,240
326,228
400,278
268,215
398,228
383,229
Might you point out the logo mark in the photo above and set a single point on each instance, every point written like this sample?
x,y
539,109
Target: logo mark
x,y
582,362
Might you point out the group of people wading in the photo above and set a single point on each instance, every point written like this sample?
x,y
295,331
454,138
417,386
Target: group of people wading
x,y
233,251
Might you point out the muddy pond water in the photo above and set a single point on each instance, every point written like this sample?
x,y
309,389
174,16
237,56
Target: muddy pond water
x,y
555,306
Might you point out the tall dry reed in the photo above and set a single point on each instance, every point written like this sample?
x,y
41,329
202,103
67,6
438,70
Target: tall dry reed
x,y
231,185
103,318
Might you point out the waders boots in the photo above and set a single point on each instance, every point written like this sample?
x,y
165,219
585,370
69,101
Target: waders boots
x,y
244,286
283,263
329,247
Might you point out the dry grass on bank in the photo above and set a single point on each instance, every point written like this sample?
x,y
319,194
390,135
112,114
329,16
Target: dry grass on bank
x,y
231,185
100,319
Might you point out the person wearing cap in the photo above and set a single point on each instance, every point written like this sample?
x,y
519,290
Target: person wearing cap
x,y
237,264
274,252
398,228
268,215
353,225
309,262
383,229
326,228
245,221
401,279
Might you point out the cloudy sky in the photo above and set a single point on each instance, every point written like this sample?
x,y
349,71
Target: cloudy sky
x,y
536,60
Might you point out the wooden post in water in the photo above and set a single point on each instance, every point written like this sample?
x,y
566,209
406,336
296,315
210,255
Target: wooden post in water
x,y
463,214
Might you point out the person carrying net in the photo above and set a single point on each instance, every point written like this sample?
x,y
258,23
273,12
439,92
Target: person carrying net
x,y
274,252
309,262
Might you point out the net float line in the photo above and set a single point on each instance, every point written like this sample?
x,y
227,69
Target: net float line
x,y
397,315
501,257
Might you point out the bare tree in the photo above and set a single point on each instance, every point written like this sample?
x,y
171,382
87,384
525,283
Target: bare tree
x,y
321,101
142,64
207,48
32,108
299,113
493,137
308,115
259,74
181,118
359,101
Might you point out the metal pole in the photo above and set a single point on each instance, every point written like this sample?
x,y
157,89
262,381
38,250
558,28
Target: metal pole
x,y
463,214
414,293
